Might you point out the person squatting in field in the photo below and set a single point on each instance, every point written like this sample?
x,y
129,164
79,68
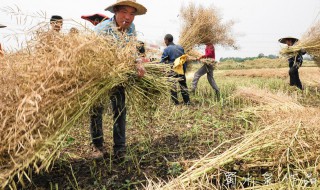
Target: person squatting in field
x,y
121,23
169,55
295,62
207,68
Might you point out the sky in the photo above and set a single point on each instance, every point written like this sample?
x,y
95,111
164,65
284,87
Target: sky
x,y
258,23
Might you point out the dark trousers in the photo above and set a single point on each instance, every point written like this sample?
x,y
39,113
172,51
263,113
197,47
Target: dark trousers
x,y
119,116
183,87
294,77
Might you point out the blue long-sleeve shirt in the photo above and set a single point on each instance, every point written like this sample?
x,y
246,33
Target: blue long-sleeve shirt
x,y
171,53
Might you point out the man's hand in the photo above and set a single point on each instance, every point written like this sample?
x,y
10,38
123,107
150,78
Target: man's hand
x,y
191,58
297,65
302,51
140,70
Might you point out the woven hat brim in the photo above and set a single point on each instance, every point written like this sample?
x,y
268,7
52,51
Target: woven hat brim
x,y
140,8
283,40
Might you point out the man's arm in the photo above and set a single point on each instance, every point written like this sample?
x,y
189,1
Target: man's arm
x,y
165,56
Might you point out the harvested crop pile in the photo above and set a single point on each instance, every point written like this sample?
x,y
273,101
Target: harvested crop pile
x,y
202,25
46,87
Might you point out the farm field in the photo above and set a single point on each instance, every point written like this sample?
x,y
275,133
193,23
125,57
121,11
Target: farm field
x,y
262,132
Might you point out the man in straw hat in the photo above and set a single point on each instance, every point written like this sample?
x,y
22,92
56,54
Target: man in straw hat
x,y
122,22
1,51
206,69
294,62
169,55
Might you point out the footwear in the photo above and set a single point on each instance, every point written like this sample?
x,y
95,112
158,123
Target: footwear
x,y
187,103
218,95
119,157
97,152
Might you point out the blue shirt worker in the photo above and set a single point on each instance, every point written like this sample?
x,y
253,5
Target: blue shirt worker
x,y
170,54
294,62
121,23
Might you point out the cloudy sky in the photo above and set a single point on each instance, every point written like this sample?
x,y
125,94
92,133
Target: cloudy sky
x,y
258,23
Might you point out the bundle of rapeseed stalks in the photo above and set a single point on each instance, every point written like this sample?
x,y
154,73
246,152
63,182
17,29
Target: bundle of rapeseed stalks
x,y
201,25
209,61
46,87
310,42
286,145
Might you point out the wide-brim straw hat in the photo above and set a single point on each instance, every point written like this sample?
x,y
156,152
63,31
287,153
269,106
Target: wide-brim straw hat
x,y
2,26
293,39
132,3
93,17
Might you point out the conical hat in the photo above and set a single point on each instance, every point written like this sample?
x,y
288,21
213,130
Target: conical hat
x,y
283,40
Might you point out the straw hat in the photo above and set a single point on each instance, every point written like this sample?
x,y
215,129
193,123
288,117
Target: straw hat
x,y
2,26
132,3
283,40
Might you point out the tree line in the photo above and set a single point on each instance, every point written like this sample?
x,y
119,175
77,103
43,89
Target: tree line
x,y
241,59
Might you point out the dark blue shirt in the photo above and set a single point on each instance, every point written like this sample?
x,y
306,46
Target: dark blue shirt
x,y
171,53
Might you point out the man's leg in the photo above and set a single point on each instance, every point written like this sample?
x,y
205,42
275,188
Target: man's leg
x,y
299,84
197,76
294,77
174,97
291,75
211,80
173,91
119,117
96,126
184,89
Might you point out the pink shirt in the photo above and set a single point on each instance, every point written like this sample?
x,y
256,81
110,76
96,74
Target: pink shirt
x,y
209,52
